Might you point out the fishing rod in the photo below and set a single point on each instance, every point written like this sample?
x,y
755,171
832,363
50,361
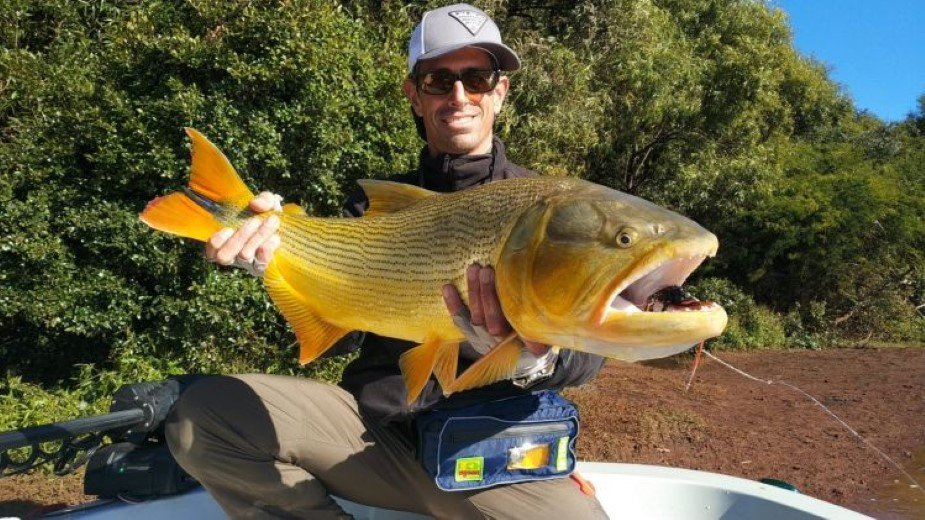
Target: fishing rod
x,y
135,463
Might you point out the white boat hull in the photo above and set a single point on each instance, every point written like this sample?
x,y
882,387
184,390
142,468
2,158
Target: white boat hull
x,y
627,491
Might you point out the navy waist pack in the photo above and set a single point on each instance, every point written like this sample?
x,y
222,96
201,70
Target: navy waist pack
x,y
516,439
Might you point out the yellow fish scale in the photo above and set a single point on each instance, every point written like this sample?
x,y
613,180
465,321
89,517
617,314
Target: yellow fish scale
x,y
343,268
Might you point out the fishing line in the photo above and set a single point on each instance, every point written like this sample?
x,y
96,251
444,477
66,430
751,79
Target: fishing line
x,y
697,357
860,437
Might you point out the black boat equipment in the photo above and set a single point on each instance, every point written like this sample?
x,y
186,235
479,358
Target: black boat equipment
x,y
137,462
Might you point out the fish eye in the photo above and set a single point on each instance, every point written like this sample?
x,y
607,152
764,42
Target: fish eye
x,y
627,237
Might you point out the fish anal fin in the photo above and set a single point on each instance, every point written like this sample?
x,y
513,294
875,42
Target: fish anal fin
x,y
446,364
388,197
315,335
212,175
498,364
433,356
178,214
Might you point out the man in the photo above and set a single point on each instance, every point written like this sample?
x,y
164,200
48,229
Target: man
x,y
272,446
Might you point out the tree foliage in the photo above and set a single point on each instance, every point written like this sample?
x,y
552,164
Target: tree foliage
x,y
705,106
840,227
302,97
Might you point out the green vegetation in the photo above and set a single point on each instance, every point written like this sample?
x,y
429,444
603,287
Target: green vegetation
x,y
700,105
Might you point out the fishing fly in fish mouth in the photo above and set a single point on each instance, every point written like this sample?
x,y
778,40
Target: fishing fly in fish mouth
x,y
577,265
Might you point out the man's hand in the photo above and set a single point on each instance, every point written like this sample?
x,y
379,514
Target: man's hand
x,y
251,247
484,307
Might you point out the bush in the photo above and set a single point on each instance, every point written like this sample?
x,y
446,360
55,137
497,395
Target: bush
x,y
750,325
27,404
808,327
303,97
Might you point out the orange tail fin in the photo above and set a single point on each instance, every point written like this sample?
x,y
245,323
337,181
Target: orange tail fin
x,y
211,177
179,215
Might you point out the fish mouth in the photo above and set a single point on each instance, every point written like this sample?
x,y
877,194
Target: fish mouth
x,y
655,286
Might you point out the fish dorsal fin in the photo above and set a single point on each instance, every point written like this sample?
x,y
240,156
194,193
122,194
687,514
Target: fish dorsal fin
x,y
212,175
315,335
388,197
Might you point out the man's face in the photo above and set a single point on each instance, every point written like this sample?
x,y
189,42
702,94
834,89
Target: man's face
x,y
458,123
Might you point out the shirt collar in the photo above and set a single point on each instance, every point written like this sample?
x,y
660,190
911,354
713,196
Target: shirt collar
x,y
446,172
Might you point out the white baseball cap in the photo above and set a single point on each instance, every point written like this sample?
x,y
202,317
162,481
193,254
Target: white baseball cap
x,y
453,27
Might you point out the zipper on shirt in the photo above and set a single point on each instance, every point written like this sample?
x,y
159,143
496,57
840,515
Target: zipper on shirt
x,y
446,163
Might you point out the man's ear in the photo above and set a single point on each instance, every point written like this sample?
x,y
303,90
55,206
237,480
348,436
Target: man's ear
x,y
411,92
500,92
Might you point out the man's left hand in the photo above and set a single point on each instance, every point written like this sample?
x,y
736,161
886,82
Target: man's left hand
x,y
484,306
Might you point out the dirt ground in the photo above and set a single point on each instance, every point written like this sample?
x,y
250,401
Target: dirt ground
x,y
728,424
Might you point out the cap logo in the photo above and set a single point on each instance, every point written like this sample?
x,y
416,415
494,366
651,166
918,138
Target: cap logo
x,y
471,20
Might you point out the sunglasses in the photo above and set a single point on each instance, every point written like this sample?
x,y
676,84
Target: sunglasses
x,y
439,82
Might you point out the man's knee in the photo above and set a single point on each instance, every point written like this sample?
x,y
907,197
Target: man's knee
x,y
193,416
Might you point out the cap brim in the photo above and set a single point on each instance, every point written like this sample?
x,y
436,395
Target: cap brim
x,y
507,59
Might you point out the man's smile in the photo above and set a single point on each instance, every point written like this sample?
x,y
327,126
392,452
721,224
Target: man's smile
x,y
458,120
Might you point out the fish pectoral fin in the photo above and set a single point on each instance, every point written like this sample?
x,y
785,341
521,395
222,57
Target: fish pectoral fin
x,y
434,356
315,335
498,364
388,197
212,175
180,215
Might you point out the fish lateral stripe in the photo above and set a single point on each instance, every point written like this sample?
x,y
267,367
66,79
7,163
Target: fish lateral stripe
x,y
207,204
177,214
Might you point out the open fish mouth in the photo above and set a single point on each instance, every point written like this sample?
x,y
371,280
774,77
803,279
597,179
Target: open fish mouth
x,y
648,314
659,289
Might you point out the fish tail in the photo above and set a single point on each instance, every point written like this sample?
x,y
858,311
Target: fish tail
x,y
215,188
179,215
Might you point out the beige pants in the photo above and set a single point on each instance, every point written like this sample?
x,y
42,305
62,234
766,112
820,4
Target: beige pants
x,y
274,447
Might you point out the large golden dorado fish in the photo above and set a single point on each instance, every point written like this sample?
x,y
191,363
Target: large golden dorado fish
x,y
576,266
